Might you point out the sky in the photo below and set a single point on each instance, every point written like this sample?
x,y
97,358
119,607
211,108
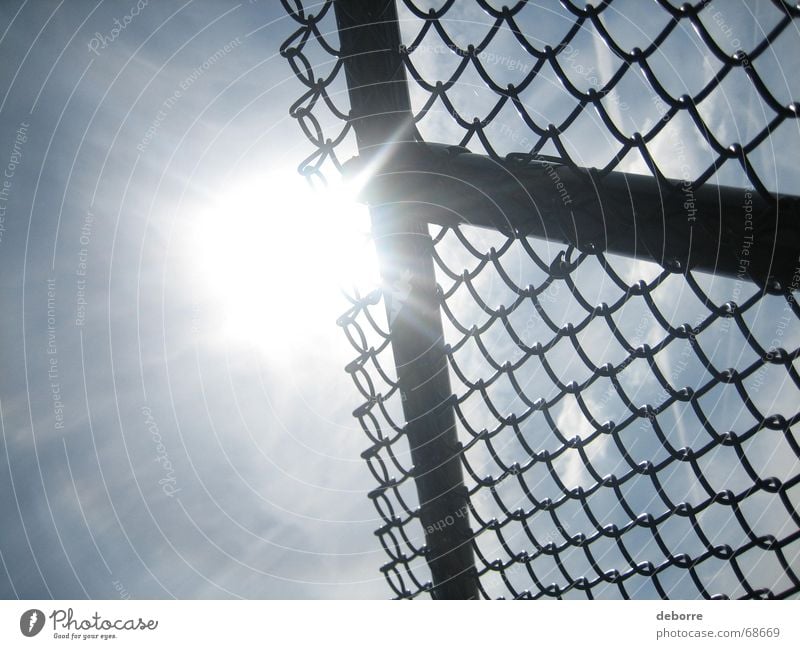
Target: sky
x,y
175,417
176,421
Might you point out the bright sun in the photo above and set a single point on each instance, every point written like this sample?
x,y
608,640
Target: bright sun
x,y
281,253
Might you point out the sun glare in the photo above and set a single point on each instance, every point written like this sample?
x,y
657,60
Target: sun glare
x,y
274,254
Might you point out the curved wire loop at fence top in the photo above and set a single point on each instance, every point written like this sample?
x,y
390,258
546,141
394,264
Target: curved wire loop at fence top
x,y
626,423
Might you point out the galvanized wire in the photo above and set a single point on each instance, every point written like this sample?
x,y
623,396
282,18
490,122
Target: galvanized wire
x,y
627,431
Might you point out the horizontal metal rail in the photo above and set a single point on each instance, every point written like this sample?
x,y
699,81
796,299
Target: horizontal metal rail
x,y
729,231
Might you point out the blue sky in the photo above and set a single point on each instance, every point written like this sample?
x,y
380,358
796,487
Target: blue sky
x,y
195,445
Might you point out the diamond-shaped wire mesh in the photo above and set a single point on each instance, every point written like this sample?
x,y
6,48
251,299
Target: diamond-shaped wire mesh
x,y
626,431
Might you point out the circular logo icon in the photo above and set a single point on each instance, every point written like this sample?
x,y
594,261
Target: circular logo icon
x,y
31,622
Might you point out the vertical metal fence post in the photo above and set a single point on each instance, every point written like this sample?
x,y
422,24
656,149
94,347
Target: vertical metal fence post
x,y
381,116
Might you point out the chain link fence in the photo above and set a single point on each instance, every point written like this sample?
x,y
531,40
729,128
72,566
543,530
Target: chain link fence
x,y
625,422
